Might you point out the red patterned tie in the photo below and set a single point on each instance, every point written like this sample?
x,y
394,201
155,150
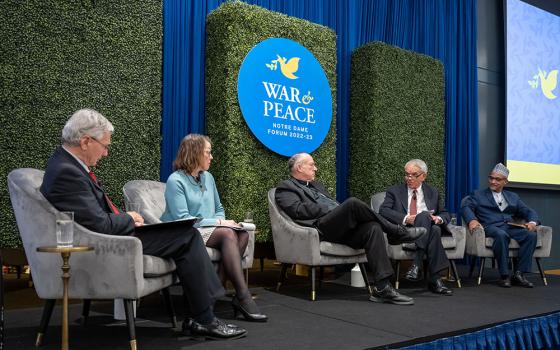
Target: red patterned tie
x,y
412,210
113,207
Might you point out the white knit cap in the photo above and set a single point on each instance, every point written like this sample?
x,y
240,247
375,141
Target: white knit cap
x,y
501,169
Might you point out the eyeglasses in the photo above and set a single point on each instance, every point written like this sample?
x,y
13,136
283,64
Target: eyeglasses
x,y
101,143
497,179
412,176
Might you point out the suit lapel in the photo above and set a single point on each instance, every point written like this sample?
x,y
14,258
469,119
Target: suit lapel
x,y
428,197
491,199
403,197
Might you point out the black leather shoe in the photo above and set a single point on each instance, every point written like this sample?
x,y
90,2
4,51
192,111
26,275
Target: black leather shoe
x,y
519,280
439,288
217,329
405,234
390,295
414,274
249,312
504,282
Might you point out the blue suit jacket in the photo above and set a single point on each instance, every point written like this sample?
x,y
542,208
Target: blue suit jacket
x,y
395,205
481,206
68,187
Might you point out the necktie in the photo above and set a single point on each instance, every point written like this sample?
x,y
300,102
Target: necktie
x,y
113,207
412,209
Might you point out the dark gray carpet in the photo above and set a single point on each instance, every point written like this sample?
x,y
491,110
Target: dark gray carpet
x,y
341,318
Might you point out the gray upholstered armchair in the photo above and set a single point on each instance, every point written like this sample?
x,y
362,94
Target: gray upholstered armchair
x,y
115,269
296,244
454,245
150,196
479,245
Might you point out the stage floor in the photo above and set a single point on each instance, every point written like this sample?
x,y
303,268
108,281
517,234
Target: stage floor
x,y
341,318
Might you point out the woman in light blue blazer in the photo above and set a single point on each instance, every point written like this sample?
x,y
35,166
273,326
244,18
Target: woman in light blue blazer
x,y
191,192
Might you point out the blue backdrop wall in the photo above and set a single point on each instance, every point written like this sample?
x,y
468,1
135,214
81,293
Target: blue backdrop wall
x,y
443,29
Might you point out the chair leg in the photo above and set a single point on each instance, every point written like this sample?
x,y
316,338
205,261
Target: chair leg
x,y
169,305
455,273
47,312
398,263
129,311
543,276
262,264
247,277
480,271
85,311
312,276
473,264
365,277
282,276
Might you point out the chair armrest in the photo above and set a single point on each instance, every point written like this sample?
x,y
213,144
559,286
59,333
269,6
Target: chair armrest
x,y
249,253
113,270
460,235
294,243
545,234
476,241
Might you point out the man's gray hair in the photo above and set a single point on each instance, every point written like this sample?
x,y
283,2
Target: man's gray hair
x,y
85,122
419,163
295,160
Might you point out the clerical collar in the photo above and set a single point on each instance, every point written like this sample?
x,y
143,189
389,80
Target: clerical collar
x,y
304,183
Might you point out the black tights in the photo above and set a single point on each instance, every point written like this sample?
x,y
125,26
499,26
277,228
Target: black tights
x,y
232,245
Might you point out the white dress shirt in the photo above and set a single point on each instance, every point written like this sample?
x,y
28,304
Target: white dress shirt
x,y
420,204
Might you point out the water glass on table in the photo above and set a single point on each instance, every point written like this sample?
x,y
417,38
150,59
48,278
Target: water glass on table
x,y
248,217
65,228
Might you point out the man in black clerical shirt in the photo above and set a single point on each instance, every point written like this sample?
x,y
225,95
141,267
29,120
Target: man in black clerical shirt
x,y
351,223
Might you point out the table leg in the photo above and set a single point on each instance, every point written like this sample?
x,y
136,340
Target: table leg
x,y
65,278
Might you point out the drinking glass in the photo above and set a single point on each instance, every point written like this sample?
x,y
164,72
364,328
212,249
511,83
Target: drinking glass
x,y
248,217
65,228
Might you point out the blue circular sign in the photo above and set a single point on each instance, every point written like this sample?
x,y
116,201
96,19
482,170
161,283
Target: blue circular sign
x,y
285,96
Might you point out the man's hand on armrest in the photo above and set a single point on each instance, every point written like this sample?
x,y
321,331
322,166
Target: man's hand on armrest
x,y
531,226
473,224
138,219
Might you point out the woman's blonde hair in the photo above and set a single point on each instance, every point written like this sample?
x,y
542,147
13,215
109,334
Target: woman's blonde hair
x,y
190,152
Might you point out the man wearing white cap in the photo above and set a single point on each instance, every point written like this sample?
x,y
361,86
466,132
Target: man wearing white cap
x,y
494,208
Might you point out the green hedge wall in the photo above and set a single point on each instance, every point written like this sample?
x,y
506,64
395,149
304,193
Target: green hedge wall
x,y
244,169
396,114
60,56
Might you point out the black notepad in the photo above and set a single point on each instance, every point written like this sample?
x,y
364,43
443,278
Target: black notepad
x,y
182,223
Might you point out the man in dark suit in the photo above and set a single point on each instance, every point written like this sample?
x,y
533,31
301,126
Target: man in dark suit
x,y
352,223
418,204
70,185
494,208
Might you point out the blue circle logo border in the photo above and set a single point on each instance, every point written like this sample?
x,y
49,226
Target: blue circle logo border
x,y
285,96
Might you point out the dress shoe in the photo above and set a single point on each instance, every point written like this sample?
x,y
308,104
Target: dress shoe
x,y
414,274
504,282
217,329
405,234
519,280
248,309
439,288
390,295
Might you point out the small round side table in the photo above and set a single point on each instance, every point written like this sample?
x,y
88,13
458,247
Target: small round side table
x,y
65,253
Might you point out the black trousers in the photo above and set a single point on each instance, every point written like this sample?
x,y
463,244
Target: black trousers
x,y
430,243
201,285
353,223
